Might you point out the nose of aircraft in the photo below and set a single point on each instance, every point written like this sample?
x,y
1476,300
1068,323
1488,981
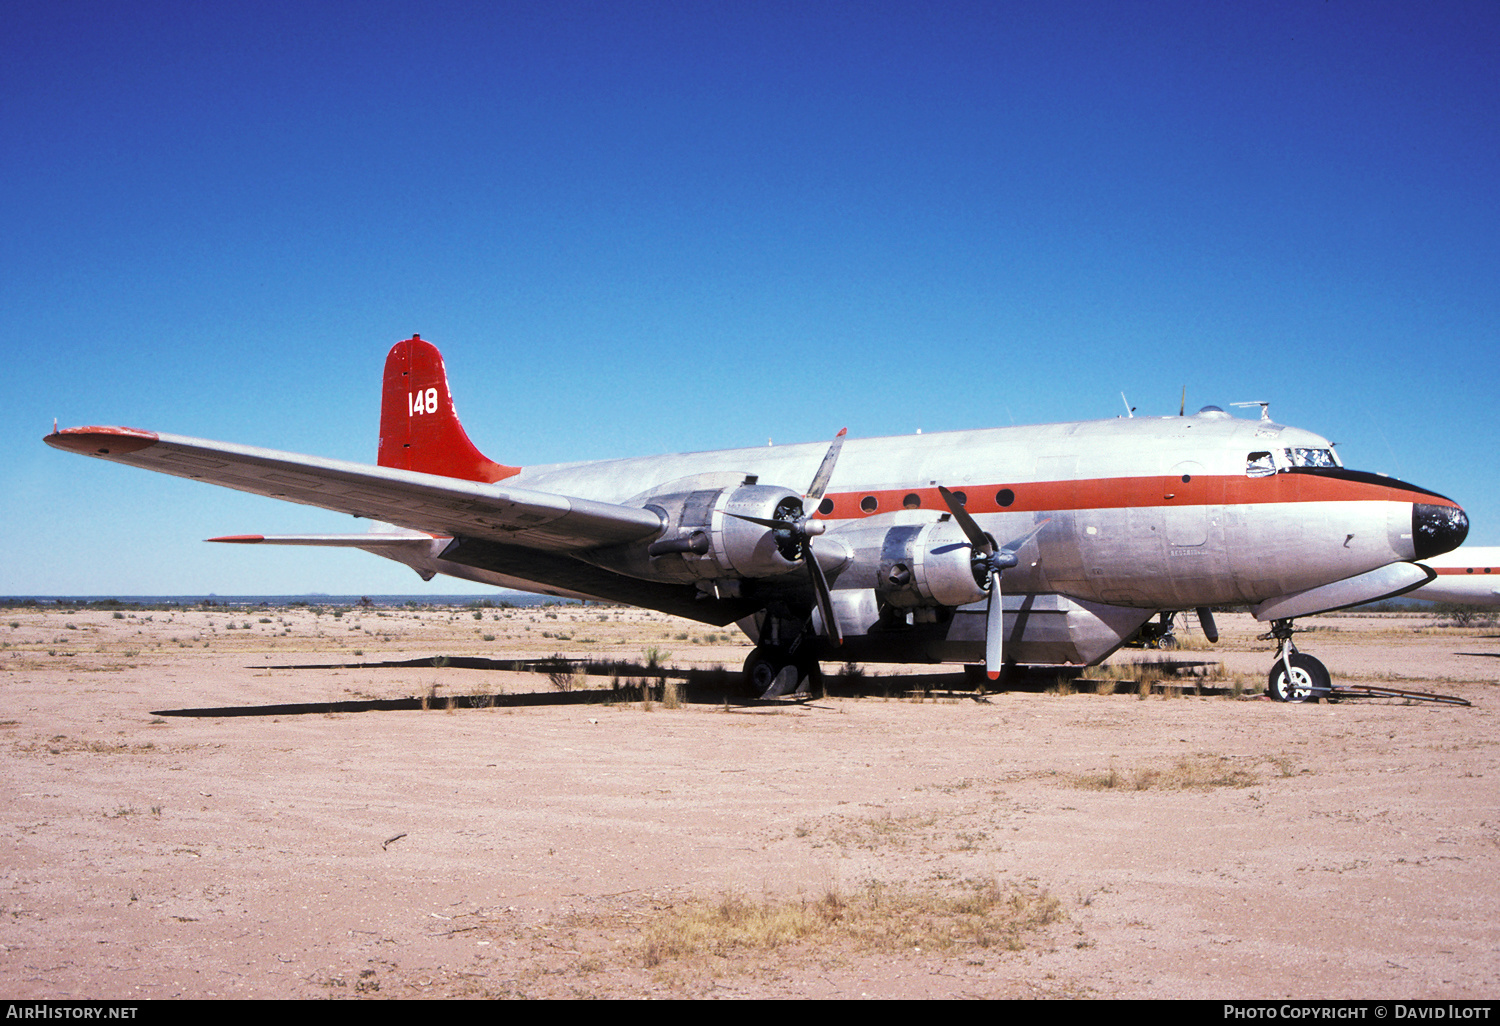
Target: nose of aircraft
x,y
1437,529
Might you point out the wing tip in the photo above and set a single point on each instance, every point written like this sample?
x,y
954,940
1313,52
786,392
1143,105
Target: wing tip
x,y
102,441
239,539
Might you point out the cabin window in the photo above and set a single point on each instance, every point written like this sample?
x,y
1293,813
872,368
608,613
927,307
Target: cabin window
x,y
1259,464
1005,497
869,504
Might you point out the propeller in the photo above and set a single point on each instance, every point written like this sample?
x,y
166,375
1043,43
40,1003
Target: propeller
x,y
800,526
1206,621
994,561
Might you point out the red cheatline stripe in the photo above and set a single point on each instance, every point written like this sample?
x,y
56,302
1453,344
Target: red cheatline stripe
x,y
1132,492
1462,570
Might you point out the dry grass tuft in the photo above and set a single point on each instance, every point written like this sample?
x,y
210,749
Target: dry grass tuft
x,y
1195,771
1192,641
879,917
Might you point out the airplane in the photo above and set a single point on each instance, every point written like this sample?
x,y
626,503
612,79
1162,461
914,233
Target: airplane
x,y
894,550
1470,575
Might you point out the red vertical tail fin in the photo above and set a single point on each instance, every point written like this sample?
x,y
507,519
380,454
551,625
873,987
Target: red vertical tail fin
x,y
419,429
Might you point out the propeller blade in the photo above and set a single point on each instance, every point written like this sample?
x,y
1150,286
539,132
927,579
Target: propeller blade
x,y
825,600
1012,547
775,525
977,538
1206,621
825,471
994,629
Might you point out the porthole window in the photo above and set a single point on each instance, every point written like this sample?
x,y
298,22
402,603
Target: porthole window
x,y
961,498
1005,497
912,501
1186,478
868,504
825,507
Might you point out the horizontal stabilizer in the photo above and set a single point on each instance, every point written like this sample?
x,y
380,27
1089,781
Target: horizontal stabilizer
x,y
369,540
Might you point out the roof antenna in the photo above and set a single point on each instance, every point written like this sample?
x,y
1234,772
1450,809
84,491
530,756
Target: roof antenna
x,y
1129,410
1182,409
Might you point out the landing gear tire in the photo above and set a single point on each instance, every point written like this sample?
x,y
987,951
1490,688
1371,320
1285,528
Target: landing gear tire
x,y
1310,680
771,673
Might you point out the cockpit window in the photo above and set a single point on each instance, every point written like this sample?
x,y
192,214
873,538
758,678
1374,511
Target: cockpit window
x,y
1279,461
1312,458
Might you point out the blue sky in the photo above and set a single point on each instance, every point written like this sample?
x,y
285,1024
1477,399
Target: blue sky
x,y
655,227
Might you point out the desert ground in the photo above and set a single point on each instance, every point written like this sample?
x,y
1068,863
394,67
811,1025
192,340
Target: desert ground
x,y
357,802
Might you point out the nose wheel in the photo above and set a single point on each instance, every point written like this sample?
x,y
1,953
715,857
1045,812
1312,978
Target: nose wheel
x,y
1295,676
1309,680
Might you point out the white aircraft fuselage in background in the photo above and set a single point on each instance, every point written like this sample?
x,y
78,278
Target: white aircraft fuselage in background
x,y
1096,526
1469,574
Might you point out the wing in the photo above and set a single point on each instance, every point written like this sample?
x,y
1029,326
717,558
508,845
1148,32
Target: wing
x,y
428,503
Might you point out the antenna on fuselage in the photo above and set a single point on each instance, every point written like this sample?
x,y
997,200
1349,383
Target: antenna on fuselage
x,y
1182,407
1129,410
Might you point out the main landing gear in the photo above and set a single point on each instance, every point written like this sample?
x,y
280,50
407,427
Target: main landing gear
x,y
1295,676
775,670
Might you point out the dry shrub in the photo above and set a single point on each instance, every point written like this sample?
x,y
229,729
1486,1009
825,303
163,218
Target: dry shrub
x,y
1192,641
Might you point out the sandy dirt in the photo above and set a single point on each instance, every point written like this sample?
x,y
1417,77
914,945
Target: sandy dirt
x,y
1158,845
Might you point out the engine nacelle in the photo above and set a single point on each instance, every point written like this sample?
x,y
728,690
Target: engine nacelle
x,y
703,542
928,565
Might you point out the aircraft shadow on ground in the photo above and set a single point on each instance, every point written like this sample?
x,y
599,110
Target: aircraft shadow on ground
x,y
569,684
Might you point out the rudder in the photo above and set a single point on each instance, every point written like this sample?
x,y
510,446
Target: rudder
x,y
419,429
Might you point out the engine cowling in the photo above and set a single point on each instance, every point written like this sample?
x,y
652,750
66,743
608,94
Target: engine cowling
x,y
702,541
928,565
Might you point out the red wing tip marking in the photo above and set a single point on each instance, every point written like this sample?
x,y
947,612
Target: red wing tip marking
x,y
102,441
241,539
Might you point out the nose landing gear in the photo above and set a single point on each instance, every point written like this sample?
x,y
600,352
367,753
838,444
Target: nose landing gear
x,y
1295,676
